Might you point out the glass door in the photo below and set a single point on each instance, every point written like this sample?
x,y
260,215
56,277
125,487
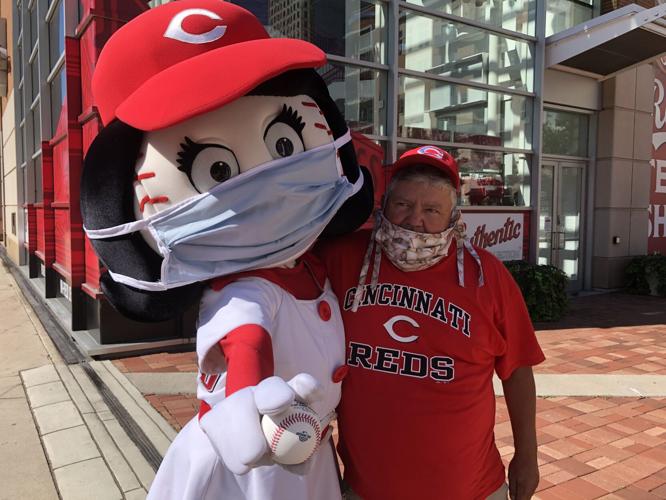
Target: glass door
x,y
561,217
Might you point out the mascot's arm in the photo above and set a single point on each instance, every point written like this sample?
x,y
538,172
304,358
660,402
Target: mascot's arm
x,y
248,352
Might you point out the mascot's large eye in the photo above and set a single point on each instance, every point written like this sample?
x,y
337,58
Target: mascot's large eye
x,y
283,135
207,165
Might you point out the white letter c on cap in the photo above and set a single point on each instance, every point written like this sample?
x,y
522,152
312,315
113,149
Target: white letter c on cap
x,y
389,328
176,31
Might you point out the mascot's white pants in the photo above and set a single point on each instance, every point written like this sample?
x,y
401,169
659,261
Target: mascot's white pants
x,y
191,470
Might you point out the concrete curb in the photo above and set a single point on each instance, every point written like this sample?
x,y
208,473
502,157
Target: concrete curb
x,y
547,385
87,449
597,385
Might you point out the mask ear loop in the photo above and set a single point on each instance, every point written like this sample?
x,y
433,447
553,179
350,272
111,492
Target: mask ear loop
x,y
366,264
463,243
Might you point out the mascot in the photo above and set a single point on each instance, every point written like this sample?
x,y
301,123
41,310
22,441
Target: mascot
x,y
222,160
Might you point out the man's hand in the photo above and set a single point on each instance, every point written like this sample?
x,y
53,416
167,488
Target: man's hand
x,y
523,476
233,426
520,397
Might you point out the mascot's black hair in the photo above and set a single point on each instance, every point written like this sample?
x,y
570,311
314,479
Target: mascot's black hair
x,y
107,197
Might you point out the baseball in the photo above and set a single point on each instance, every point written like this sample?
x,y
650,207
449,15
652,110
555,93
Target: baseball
x,y
293,435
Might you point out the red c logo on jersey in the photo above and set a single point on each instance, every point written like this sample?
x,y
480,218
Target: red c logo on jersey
x,y
389,328
176,31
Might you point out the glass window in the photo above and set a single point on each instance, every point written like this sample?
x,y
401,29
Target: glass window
x,y
33,26
19,61
564,14
20,145
36,130
565,133
445,112
456,50
20,104
39,192
19,18
360,94
514,15
57,35
58,87
490,178
353,28
34,83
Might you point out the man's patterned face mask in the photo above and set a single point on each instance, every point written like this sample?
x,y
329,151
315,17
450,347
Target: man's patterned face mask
x,y
412,250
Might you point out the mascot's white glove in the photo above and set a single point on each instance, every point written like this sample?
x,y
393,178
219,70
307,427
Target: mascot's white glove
x,y
233,426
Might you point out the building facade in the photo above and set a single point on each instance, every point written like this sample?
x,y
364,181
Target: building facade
x,y
546,104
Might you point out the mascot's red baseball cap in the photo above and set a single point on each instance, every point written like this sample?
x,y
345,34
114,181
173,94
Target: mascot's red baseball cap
x,y
186,58
430,155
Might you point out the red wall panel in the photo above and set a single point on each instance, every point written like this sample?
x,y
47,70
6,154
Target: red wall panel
x,y
100,19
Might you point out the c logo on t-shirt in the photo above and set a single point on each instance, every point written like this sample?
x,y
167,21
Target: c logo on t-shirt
x,y
389,328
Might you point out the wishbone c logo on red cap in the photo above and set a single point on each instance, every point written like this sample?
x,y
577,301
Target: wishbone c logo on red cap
x,y
176,31
432,151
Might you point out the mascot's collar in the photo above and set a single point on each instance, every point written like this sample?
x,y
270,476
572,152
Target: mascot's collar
x,y
305,280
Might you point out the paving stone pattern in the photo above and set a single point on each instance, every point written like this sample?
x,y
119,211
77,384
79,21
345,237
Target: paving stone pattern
x,y
589,447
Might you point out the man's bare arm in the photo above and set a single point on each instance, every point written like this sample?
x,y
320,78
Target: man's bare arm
x,y
520,396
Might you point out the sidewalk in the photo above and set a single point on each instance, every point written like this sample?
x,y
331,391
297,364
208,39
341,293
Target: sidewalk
x,y
61,435
24,471
101,427
601,410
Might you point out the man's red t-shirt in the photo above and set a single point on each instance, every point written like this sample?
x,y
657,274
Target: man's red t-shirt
x,y
418,408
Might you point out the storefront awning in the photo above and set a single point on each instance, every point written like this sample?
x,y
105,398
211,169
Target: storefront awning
x,y
610,43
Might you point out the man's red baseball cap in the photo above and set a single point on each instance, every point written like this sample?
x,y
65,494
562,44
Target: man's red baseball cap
x,y
186,58
430,155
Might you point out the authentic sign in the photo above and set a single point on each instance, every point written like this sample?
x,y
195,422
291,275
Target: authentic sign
x,y
499,233
657,207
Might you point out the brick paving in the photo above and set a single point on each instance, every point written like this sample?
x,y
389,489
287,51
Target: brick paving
x,y
589,448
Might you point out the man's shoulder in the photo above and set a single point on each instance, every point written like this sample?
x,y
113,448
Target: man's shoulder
x,y
493,268
342,246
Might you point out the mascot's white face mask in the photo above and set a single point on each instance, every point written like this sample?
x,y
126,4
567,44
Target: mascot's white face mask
x,y
195,208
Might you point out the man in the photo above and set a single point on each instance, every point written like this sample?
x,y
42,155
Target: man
x,y
424,337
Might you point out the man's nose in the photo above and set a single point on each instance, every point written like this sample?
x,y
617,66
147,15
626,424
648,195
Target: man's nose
x,y
414,219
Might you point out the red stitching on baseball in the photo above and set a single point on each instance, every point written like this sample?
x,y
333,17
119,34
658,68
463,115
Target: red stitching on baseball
x,y
309,104
290,420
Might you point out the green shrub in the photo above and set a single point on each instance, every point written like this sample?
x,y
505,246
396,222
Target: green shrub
x,y
647,275
543,287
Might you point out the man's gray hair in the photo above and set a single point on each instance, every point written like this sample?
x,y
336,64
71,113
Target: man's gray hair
x,y
424,173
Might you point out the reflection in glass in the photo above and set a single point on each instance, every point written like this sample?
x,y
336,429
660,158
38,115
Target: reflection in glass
x,y
57,34
360,94
432,110
36,130
546,215
564,14
34,75
512,15
490,178
569,209
33,26
353,28
58,90
565,133
456,50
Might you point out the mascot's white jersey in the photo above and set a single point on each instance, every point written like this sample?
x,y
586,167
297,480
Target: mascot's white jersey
x,y
307,337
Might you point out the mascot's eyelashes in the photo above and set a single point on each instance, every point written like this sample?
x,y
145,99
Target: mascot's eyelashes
x,y
206,165
283,135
